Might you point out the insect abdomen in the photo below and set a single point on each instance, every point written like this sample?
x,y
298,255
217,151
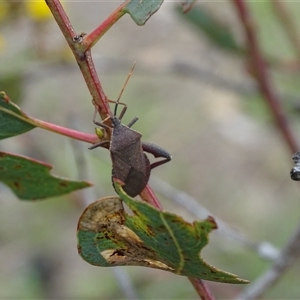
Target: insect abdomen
x,y
135,181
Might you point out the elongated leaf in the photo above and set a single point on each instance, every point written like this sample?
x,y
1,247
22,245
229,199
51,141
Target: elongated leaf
x,y
141,10
30,179
108,236
217,32
10,125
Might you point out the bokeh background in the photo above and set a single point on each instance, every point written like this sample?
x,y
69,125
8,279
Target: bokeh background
x,y
194,98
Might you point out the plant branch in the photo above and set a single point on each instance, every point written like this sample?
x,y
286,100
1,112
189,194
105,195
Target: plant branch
x,y
148,196
77,135
92,38
289,254
62,20
82,56
260,74
74,134
201,288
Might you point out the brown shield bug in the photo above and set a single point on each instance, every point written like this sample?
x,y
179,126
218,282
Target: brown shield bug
x,y
129,162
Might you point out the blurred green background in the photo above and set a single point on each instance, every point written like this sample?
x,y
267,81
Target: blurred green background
x,y
195,98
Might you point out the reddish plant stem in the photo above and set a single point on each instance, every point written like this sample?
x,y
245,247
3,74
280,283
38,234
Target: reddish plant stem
x,y
148,196
92,38
88,70
74,134
261,76
62,20
77,135
202,289
82,56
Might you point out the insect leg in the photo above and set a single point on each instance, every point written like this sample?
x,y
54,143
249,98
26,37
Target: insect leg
x,y
157,151
102,143
101,124
132,121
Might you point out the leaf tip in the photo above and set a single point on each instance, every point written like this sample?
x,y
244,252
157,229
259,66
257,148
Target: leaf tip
x,y
212,221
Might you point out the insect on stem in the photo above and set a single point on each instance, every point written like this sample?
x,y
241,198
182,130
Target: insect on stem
x,y
130,163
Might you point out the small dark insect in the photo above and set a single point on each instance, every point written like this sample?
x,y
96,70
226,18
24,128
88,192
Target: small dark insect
x,y
295,172
129,162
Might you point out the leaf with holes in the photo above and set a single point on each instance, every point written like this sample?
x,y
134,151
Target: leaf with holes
x,y
141,10
30,179
12,119
108,236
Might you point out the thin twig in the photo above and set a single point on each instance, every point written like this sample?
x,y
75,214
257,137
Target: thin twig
x,y
148,195
82,56
288,256
202,289
241,86
78,135
260,74
91,39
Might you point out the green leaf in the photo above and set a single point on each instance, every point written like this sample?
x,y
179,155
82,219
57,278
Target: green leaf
x,y
141,10
30,179
217,32
108,236
10,124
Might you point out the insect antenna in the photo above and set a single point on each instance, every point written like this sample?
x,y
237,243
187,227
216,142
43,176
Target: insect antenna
x,y
118,100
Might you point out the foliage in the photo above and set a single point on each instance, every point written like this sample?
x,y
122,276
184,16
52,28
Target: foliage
x,y
147,236
107,236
